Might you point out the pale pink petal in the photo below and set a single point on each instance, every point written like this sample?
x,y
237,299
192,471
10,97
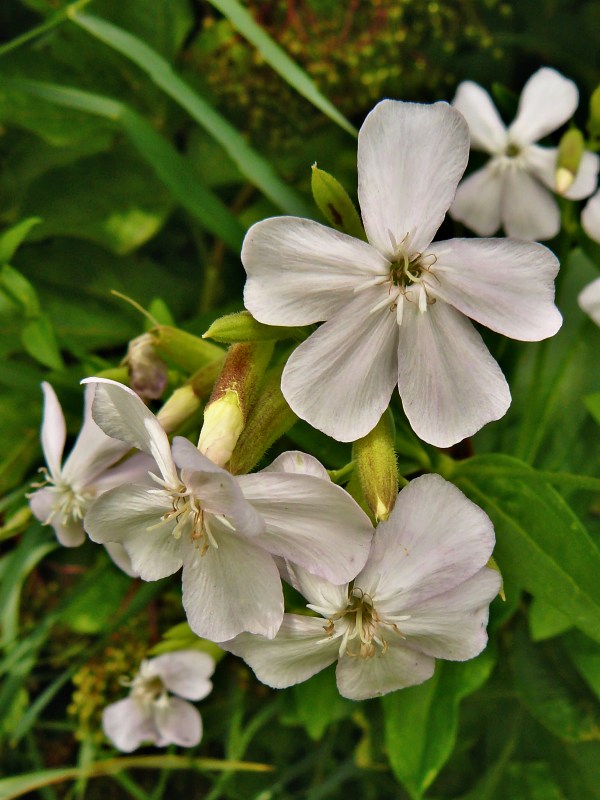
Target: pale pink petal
x,y
300,650
586,179
178,722
548,100
184,672
132,516
69,533
341,378
301,272
120,557
294,461
54,431
310,522
135,469
504,284
121,414
449,383
488,132
590,217
397,668
127,724
589,301
452,625
320,593
434,540
93,452
217,490
528,209
233,588
410,159
478,201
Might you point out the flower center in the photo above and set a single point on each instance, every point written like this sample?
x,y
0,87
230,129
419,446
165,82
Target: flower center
x,y
512,151
149,690
69,504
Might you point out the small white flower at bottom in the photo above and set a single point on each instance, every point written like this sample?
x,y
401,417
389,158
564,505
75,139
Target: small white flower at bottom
x,y
423,594
150,713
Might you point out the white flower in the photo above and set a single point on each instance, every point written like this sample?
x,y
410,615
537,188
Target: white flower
x,y
514,189
590,217
423,594
223,530
396,308
150,713
68,490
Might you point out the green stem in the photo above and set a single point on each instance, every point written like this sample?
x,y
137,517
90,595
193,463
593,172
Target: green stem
x,y
58,18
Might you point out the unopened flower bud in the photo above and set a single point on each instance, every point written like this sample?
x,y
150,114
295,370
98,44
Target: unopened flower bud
x,y
232,399
570,152
186,400
147,371
376,467
242,327
186,351
335,204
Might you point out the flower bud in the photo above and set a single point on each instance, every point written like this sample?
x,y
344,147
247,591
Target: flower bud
x,y
570,152
242,327
232,399
147,371
335,204
186,401
186,351
375,464
269,419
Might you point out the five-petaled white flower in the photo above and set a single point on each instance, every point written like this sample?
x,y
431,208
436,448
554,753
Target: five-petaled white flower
x,y
511,190
150,713
396,308
223,530
68,490
423,594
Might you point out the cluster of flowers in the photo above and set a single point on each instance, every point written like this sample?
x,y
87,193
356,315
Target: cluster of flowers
x,y
384,603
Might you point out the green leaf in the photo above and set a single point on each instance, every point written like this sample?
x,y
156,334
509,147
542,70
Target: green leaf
x,y
274,55
252,165
421,722
166,162
335,204
592,403
11,239
541,544
98,602
20,290
545,621
318,703
585,655
531,781
182,637
552,693
39,340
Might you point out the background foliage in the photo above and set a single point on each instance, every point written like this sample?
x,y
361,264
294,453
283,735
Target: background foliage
x,y
138,141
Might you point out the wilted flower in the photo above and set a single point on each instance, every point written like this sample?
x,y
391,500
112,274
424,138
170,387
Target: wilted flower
x,y
514,189
151,713
68,490
396,308
223,530
423,594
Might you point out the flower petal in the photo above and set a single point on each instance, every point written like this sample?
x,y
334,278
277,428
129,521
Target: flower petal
x,y
452,625
434,540
589,301
54,431
590,218
310,522
478,201
177,723
542,162
397,668
132,515
341,378
319,592
135,469
127,724
487,131
294,461
548,100
586,179
528,209
217,489
449,383
504,284
184,672
120,557
231,589
300,650
94,451
301,272
121,414
70,533
410,159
